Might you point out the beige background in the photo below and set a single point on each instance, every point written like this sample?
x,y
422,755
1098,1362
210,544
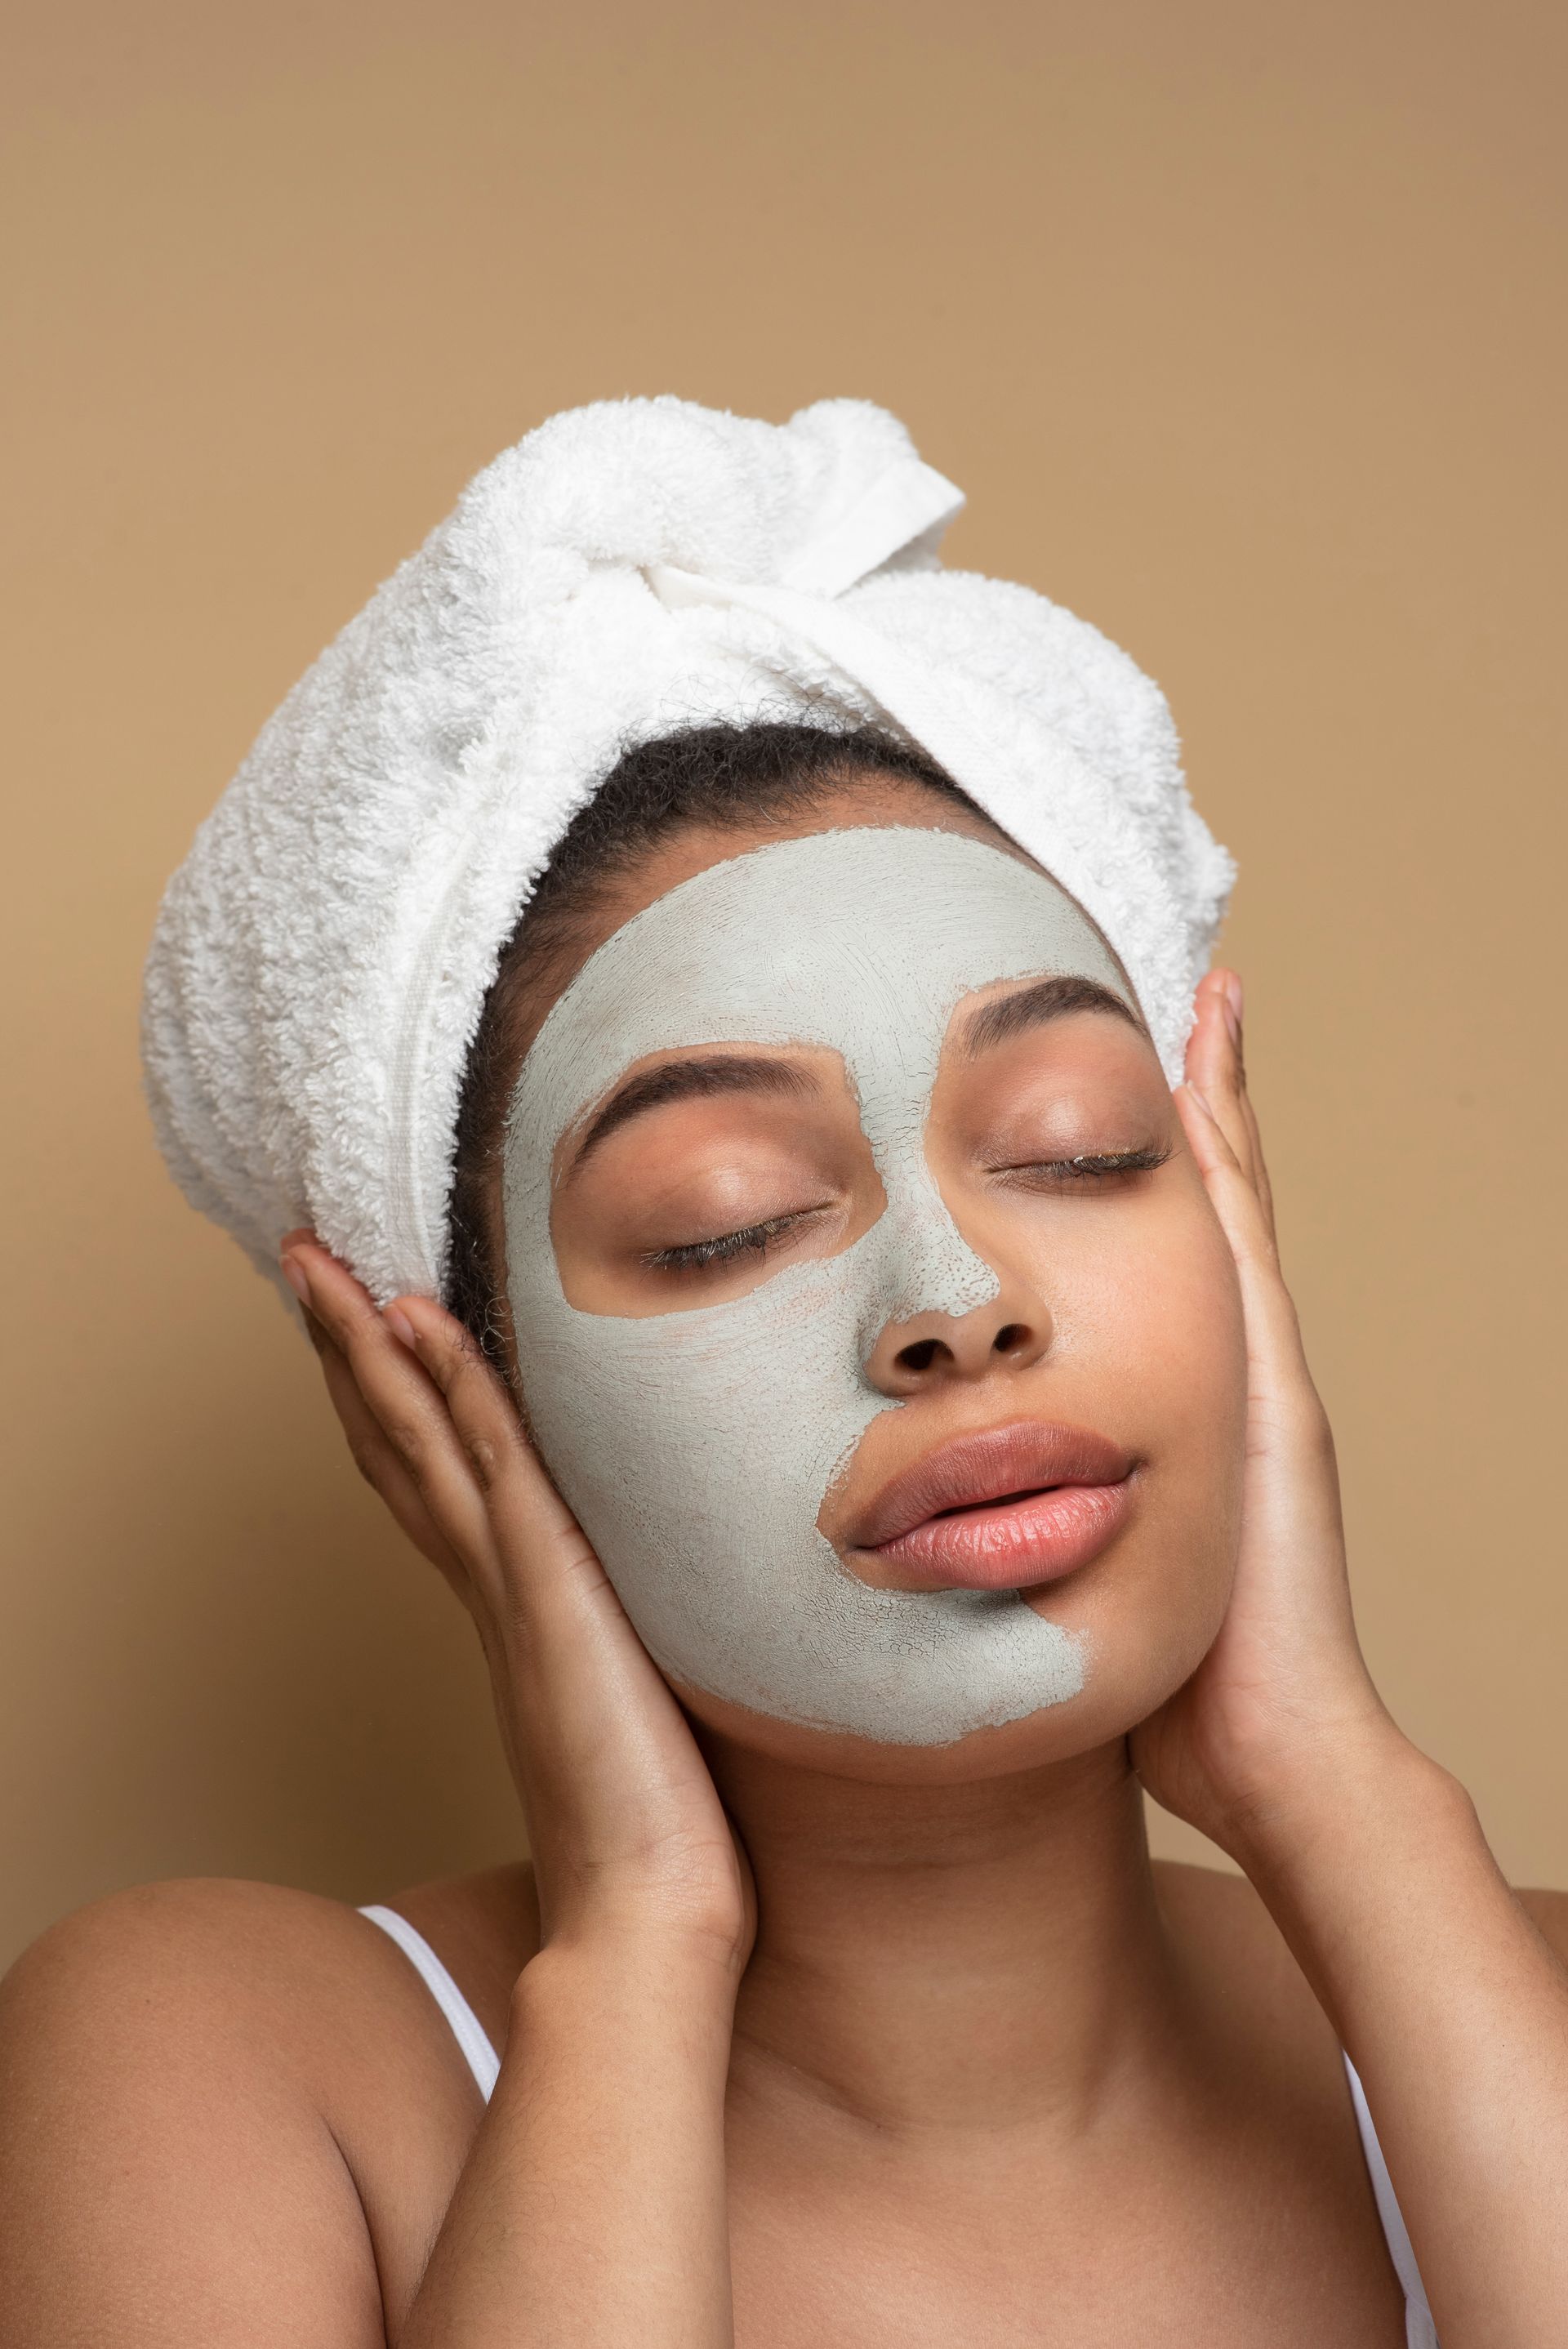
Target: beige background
x,y
1243,326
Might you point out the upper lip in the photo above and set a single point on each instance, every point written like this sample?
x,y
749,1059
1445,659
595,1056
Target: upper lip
x,y
1027,1456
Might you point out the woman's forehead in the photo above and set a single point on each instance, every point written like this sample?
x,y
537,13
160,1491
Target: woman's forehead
x,y
865,939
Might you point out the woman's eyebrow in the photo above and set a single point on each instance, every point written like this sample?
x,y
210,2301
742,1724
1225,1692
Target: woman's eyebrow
x,y
1033,1006
690,1079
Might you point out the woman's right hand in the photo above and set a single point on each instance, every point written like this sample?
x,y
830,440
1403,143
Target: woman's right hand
x,y
592,2206
627,1830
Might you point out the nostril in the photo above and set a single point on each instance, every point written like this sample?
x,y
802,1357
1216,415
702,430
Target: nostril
x,y
1009,1338
918,1357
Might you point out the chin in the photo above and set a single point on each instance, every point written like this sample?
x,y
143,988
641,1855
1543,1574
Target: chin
x,y
1143,1615
1125,1680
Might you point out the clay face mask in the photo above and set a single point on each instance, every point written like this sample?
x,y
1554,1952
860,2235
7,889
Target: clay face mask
x,y
696,1446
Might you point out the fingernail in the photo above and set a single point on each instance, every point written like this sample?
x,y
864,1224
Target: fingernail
x,y
1234,995
1201,1100
400,1327
294,1274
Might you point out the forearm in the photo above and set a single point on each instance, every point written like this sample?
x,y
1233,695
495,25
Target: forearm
x,y
1455,2013
591,2210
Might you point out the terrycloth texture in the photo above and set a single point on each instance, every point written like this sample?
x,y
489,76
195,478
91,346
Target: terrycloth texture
x,y
321,956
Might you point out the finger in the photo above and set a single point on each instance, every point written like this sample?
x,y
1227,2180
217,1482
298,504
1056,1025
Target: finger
x,y
481,1406
542,1538
1216,1064
1287,1427
1274,1333
1224,1174
1234,1083
1259,1163
379,1465
569,1650
588,1723
403,1401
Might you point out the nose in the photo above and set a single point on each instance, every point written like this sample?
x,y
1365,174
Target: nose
x,y
1010,1332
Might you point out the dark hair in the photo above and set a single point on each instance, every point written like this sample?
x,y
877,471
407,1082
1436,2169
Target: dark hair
x,y
709,775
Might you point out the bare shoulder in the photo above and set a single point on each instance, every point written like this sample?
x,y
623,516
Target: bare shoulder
x,y
166,1972
174,1977
180,1935
228,2112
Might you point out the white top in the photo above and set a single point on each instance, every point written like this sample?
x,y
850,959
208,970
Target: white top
x,y
467,2029
484,2064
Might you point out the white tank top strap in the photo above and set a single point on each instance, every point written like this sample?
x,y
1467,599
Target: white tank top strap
x,y
484,2064
467,2029
1421,2333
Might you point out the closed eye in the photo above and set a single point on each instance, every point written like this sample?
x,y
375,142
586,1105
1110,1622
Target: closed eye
x,y
696,1256
1090,1166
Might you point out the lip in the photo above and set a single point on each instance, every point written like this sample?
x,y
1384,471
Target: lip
x,y
1002,1510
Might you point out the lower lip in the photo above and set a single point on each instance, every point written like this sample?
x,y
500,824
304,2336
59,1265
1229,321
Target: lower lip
x,y
1010,1545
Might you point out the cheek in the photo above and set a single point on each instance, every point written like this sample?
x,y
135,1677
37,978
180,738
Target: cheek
x,y
1153,1331
1182,1304
1158,1316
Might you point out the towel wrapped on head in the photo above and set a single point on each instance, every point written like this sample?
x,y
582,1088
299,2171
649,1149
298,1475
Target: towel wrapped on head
x,y
322,956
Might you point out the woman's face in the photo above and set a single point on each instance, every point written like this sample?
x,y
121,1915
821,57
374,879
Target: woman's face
x,y
868,1310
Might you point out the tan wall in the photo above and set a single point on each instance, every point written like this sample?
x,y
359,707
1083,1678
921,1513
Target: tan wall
x,y
1243,327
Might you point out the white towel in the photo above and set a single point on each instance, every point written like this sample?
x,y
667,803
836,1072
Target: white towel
x,y
321,956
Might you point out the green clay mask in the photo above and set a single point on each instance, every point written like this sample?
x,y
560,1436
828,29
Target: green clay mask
x,y
696,1446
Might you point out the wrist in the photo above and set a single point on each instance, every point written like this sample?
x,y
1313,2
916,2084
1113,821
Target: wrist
x,y
611,1958
1342,1779
1327,1769
651,2013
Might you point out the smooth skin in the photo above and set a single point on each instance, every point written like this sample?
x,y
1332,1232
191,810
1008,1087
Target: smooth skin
x,y
794,2055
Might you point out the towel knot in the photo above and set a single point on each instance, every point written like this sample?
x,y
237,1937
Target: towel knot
x,y
903,513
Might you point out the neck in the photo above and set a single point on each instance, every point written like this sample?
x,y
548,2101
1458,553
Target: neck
x,y
982,1952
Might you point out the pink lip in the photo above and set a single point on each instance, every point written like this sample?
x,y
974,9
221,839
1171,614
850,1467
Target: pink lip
x,y
1002,1510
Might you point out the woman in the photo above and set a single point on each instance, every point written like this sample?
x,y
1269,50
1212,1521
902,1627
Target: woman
x,y
933,1466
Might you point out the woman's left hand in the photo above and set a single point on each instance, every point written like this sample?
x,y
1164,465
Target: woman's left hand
x,y
1369,1856
1284,1691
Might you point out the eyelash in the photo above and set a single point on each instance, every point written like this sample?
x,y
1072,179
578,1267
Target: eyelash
x,y
1093,1164
696,1256
699,1254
